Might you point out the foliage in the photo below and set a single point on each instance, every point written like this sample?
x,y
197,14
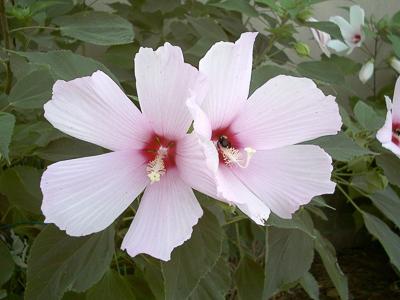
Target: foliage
x,y
228,255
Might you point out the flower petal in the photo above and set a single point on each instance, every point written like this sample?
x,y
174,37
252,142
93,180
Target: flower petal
x,y
228,69
96,110
384,135
234,190
357,16
164,82
346,29
396,102
165,218
337,45
288,177
286,110
392,147
86,195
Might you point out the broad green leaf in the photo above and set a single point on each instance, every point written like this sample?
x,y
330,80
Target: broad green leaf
x,y
32,91
389,240
328,255
6,263
346,65
7,123
164,6
66,65
21,186
367,117
310,285
194,260
215,285
388,203
121,55
396,44
370,182
301,220
340,147
391,166
264,73
96,27
60,263
208,28
67,148
284,247
327,27
242,6
322,71
111,286
249,279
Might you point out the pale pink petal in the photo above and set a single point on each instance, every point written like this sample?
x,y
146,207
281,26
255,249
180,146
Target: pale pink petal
x,y
346,29
228,69
235,191
95,109
86,195
357,16
201,124
165,218
197,163
286,110
392,147
338,45
288,177
164,83
384,135
396,102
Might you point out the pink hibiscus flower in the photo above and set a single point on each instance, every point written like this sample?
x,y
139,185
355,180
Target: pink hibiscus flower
x,y
86,195
249,143
389,134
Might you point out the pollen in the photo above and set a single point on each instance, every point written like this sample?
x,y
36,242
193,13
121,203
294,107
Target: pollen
x,y
156,168
233,156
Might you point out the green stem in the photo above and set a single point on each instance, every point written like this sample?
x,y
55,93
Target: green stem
x,y
349,198
34,27
239,245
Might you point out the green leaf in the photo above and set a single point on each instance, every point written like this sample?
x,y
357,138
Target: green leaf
x,y
99,28
7,123
60,263
328,256
396,44
164,6
391,166
215,285
346,65
367,117
194,260
264,73
389,240
282,263
340,147
67,148
208,28
21,186
242,6
328,27
301,220
322,71
66,65
32,91
249,279
388,202
6,263
310,285
111,286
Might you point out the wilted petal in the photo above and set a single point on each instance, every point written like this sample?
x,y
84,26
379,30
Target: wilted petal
x,y
228,69
284,111
164,220
86,195
164,82
288,177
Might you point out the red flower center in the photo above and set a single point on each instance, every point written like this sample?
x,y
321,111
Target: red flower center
x,y
396,133
356,38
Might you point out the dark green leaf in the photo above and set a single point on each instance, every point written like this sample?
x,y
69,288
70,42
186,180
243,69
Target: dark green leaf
x,y
194,260
310,285
301,220
6,263
32,91
396,44
322,71
264,73
391,166
340,147
21,186
282,263
242,6
95,27
7,122
327,27
367,117
328,256
59,263
164,6
111,286
249,278
388,203
389,240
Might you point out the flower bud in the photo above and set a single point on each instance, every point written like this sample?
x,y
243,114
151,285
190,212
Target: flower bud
x,y
367,70
395,64
302,49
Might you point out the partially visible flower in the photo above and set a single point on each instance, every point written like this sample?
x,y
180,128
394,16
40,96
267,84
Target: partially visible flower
x,y
250,143
322,38
366,71
395,64
351,32
389,134
150,149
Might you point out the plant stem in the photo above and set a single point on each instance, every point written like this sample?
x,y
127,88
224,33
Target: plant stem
x,y
34,27
7,43
238,240
349,198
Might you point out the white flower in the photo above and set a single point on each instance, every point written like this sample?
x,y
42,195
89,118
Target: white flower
x,y
322,38
395,64
366,72
351,31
